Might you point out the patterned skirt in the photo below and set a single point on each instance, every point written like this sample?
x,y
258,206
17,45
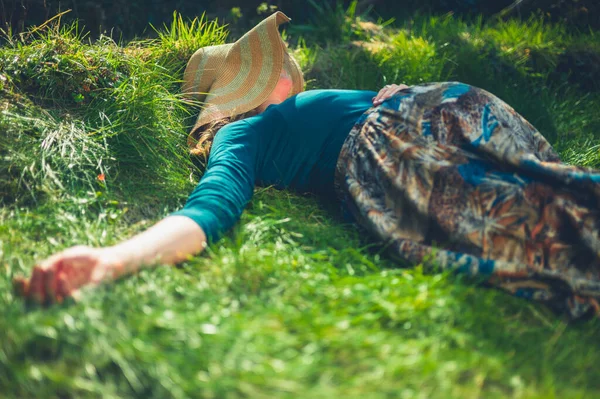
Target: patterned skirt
x,y
449,175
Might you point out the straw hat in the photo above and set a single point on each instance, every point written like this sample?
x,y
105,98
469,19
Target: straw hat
x,y
231,79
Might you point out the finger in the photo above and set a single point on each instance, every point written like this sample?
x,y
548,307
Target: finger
x,y
380,93
63,287
36,285
389,92
378,98
383,95
393,90
71,277
50,281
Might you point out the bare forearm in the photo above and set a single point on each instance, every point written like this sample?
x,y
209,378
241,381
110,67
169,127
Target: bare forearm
x,y
169,241
63,275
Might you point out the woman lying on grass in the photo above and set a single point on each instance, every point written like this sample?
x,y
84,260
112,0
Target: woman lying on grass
x,y
445,173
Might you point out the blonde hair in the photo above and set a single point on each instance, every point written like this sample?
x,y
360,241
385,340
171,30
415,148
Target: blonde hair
x,y
207,134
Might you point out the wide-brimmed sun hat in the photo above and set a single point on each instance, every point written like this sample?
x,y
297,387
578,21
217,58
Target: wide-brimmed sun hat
x,y
231,79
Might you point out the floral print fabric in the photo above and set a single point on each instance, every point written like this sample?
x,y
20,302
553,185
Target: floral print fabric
x,y
450,175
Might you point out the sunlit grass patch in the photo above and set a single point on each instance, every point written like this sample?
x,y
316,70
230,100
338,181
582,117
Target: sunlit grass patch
x,y
102,111
177,42
291,305
412,60
532,44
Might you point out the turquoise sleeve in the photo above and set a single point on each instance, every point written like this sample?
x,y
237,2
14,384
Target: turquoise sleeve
x,y
227,185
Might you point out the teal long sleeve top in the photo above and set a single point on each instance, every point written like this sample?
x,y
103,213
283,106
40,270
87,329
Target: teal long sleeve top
x,y
293,145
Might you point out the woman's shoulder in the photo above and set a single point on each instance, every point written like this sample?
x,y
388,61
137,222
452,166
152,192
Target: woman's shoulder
x,y
234,132
231,139
268,120
237,128
248,129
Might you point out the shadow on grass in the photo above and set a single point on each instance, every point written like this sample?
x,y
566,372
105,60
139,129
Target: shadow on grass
x,y
463,314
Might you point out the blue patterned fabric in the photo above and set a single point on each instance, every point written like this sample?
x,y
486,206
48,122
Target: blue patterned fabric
x,y
449,175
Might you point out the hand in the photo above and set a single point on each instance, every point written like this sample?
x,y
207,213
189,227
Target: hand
x,y
387,92
64,274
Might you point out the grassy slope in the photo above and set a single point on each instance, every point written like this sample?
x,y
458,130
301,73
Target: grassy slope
x,y
292,303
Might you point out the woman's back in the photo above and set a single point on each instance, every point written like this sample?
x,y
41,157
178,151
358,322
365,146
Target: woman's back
x,y
300,139
292,145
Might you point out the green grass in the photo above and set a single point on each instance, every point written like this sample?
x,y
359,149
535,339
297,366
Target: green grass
x,y
292,303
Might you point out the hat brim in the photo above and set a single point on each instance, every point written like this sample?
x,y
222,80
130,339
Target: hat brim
x,y
247,73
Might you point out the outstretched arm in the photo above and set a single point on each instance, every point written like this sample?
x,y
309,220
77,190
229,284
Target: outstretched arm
x,y
212,208
169,241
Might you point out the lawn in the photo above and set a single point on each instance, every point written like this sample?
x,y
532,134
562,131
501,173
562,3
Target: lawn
x,y
292,303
